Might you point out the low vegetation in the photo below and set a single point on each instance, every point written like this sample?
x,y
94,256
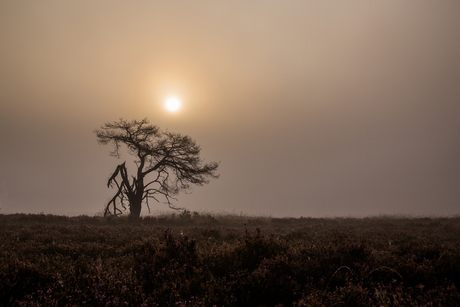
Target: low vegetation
x,y
193,259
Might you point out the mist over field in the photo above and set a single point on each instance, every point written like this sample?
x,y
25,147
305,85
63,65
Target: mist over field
x,y
312,108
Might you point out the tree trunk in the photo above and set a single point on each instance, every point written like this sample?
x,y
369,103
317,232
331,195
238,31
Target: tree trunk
x,y
135,206
135,210
135,201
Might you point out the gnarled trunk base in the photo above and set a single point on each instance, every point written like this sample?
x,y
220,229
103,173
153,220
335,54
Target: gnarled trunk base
x,y
135,210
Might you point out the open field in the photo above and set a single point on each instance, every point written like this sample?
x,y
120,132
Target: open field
x,y
227,260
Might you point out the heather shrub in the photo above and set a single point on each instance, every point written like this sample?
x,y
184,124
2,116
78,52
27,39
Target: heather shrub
x,y
188,261
168,271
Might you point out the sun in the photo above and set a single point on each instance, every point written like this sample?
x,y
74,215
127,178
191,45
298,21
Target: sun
x,y
172,104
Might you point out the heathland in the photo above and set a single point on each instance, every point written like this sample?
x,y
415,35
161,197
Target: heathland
x,y
197,259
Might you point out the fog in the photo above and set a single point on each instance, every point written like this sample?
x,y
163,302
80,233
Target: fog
x,y
313,108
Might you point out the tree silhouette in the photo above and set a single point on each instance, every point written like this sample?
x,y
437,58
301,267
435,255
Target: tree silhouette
x,y
170,160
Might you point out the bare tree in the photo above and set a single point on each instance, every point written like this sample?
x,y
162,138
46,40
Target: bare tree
x,y
170,160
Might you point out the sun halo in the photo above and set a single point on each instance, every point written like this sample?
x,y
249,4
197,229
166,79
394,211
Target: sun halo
x,y
172,104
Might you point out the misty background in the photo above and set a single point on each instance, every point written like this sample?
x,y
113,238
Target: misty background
x,y
313,108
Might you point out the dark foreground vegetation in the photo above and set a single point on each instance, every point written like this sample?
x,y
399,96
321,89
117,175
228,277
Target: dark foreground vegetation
x,y
203,260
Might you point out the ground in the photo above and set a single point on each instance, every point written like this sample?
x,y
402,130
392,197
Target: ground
x,y
196,259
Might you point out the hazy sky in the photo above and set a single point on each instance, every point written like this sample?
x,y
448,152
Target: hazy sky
x,y
313,108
